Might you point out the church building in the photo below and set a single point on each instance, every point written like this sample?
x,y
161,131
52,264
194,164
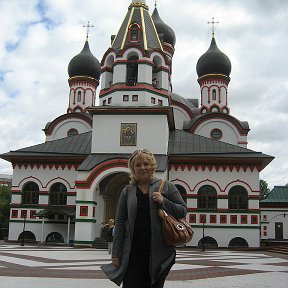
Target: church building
x,y
65,188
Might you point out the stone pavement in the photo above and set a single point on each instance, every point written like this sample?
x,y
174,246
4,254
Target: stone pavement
x,y
67,267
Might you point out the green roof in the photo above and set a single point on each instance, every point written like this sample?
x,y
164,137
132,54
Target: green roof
x,y
279,194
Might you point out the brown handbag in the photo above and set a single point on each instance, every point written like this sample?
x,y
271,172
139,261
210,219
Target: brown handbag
x,y
176,232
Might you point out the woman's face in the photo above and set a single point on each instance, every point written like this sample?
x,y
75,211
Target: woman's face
x,y
143,170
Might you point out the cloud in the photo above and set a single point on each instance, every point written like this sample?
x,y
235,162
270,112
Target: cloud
x,y
41,37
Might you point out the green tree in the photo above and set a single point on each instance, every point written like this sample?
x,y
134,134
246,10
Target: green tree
x,y
264,189
5,198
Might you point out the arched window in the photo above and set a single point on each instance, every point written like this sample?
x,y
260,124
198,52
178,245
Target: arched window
x,y
182,191
214,94
238,198
132,71
30,193
134,32
207,198
79,96
58,194
156,72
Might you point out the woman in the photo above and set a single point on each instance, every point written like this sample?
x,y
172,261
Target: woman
x,y
139,256
108,232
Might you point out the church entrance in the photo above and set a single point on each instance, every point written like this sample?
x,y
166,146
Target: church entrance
x,y
111,188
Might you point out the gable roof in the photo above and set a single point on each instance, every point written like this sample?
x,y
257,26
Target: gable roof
x,y
74,145
183,146
279,194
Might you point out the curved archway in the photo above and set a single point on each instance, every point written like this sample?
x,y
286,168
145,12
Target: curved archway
x,y
54,237
28,236
132,70
156,72
111,188
209,242
238,242
109,71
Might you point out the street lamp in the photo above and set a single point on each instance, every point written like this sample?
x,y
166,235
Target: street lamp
x,y
203,232
23,232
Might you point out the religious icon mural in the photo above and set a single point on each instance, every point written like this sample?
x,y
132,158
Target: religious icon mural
x,y
128,135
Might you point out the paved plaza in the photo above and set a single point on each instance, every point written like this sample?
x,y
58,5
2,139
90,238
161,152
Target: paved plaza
x,y
68,267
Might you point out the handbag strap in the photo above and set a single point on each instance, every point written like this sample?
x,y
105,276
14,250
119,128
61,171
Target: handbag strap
x,y
162,183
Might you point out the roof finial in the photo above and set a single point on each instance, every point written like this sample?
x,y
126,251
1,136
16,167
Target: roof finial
x,y
155,3
213,22
88,26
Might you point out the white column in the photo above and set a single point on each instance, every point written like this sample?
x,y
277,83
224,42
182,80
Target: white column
x,y
43,221
68,231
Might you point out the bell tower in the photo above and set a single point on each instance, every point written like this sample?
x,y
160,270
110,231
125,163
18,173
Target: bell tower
x,y
136,69
135,88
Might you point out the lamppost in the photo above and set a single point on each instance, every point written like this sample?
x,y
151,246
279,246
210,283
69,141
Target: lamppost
x,y
23,232
203,232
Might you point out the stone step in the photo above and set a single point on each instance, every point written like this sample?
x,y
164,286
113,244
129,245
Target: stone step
x,y
100,243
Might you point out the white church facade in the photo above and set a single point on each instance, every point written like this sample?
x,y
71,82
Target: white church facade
x,y
64,188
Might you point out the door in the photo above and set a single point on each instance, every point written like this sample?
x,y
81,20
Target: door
x,y
279,230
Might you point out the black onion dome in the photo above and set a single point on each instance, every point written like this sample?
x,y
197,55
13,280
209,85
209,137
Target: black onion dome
x,y
213,61
162,28
84,64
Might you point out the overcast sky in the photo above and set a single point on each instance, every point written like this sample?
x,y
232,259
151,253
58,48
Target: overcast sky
x,y
39,38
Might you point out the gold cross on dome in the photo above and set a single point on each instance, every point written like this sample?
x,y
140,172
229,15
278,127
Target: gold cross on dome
x,y
88,26
213,22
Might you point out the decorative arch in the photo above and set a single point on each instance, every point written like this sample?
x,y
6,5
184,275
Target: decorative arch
x,y
108,71
31,178
204,109
214,107
157,72
181,183
109,60
225,118
207,182
102,170
85,117
239,182
76,108
132,52
134,32
182,191
58,179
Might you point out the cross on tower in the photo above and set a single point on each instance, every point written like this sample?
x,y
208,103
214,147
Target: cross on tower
x,y
155,3
88,26
213,22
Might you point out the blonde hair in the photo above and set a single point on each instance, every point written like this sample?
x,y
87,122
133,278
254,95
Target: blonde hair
x,y
140,155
